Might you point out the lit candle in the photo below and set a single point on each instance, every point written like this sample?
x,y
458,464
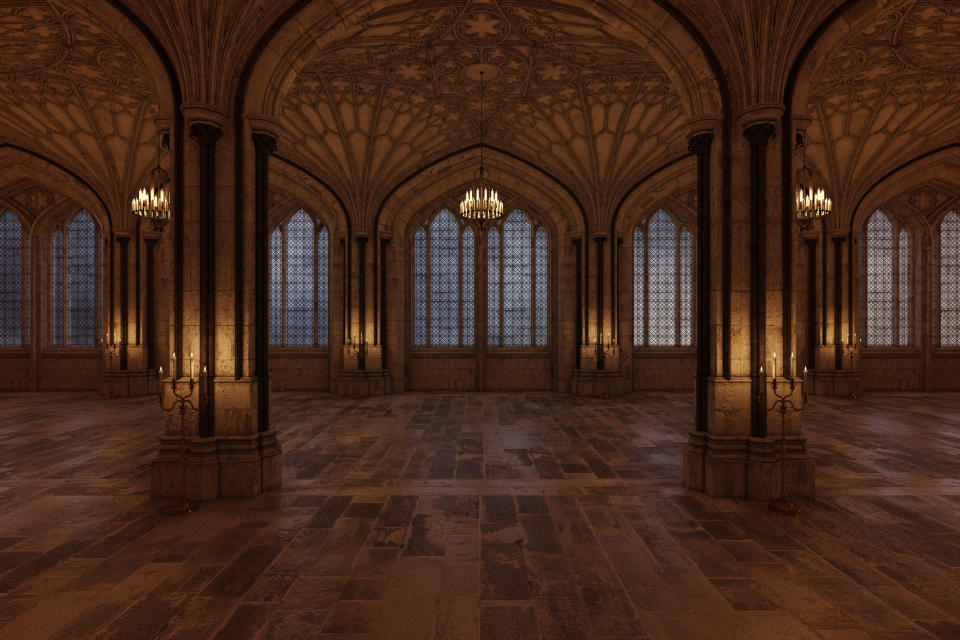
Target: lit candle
x,y
173,364
191,365
793,363
774,364
160,373
804,371
761,370
204,370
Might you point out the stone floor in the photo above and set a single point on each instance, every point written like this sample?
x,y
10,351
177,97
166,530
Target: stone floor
x,y
479,516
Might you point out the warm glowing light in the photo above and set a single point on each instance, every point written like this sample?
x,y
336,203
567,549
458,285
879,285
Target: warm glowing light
x,y
482,204
812,204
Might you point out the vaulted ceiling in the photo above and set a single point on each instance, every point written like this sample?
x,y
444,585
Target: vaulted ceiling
x,y
594,93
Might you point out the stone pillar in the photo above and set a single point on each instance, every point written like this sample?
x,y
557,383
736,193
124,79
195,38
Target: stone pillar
x,y
733,449
264,145
230,449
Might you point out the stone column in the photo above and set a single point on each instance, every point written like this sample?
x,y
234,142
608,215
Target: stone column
x,y
733,449
264,145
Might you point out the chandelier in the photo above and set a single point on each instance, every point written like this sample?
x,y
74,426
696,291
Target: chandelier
x,y
481,203
811,203
152,202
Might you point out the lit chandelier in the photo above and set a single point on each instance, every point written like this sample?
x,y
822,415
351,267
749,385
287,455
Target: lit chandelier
x,y
481,203
152,202
811,203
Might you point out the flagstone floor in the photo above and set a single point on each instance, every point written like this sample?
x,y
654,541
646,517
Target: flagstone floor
x,y
479,516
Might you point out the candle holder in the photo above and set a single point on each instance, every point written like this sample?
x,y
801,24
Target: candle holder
x,y
111,351
182,393
784,405
357,349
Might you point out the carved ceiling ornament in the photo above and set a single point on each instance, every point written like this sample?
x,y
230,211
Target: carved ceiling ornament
x,y
564,90
887,93
73,90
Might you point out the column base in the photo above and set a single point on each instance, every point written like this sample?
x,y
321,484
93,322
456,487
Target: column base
x,y
129,384
598,384
744,467
841,384
361,384
218,467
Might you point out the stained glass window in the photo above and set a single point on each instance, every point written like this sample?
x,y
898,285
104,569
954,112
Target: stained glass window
x,y
662,280
467,290
299,283
517,281
686,288
904,285
420,287
276,287
639,294
82,261
879,287
541,287
493,287
323,287
444,285
301,267
11,280
56,285
950,280
663,283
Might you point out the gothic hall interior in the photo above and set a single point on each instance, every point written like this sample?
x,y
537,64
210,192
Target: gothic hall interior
x,y
479,319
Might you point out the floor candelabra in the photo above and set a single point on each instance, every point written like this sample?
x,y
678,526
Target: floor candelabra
x,y
784,405
182,393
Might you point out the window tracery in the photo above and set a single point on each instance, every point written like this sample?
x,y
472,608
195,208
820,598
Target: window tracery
x,y
950,280
663,283
886,319
13,281
299,283
75,282
443,275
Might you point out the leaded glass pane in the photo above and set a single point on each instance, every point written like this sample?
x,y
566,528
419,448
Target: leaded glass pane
x,y
686,288
950,280
638,288
467,302
662,280
323,287
444,276
300,280
541,287
276,287
420,288
904,283
493,288
82,260
11,280
517,281
56,284
879,281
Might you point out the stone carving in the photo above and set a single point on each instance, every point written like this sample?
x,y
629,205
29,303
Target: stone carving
x,y
71,89
564,90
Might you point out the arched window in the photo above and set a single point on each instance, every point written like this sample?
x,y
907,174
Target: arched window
x,y
443,288
950,280
75,280
662,283
886,277
299,283
14,277
517,283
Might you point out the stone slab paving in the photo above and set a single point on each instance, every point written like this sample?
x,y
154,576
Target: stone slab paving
x,y
479,516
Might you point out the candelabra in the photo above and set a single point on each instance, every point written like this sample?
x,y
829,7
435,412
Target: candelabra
x,y
182,394
357,349
111,350
784,405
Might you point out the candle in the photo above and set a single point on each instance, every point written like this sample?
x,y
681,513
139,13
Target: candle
x,y
204,370
191,365
774,364
793,363
173,364
804,371
761,369
160,373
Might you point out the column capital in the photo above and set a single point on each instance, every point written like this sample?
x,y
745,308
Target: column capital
x,y
760,133
264,143
203,114
766,113
700,143
205,133
261,124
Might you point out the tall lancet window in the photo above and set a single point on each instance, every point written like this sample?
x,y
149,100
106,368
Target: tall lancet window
x,y
517,282
886,318
299,283
663,285
950,280
443,287
14,278
75,282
